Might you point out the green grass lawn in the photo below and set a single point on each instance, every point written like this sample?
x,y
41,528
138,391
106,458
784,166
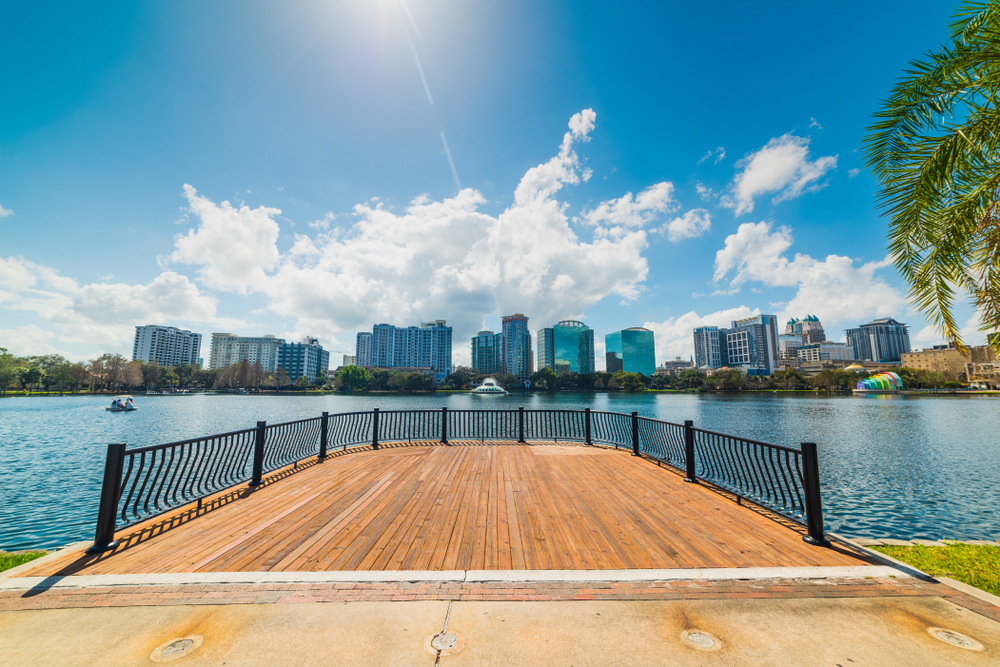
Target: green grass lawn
x,y
973,564
8,561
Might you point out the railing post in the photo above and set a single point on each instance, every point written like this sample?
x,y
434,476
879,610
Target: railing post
x,y
322,435
814,506
107,512
258,454
444,426
586,426
375,428
691,475
635,434
520,424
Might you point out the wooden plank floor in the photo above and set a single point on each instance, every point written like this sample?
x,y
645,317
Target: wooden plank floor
x,y
464,507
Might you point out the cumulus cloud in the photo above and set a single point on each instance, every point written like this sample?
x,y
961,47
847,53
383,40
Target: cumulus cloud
x,y
674,336
613,217
4,212
694,223
101,313
26,341
833,288
851,173
233,247
782,166
435,259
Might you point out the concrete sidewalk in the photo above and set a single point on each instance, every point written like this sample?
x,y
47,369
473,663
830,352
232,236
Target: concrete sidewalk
x,y
891,621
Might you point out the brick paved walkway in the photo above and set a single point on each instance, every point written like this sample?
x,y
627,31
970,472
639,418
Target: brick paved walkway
x,y
196,594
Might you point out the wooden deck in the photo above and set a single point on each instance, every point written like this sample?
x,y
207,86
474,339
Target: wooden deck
x,y
465,507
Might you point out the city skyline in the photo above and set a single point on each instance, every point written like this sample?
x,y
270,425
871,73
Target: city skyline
x,y
369,179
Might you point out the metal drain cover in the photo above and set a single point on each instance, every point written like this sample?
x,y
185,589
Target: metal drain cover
x,y
701,640
956,639
445,641
176,648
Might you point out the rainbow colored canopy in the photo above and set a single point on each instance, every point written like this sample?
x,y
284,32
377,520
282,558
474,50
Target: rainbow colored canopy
x,y
889,381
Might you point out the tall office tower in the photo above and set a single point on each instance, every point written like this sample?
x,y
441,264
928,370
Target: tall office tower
x,y
568,346
515,354
788,344
631,350
810,329
486,347
709,348
427,347
363,350
752,344
228,349
167,346
883,341
304,359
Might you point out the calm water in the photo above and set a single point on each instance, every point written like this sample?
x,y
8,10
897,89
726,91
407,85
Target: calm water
x,y
901,467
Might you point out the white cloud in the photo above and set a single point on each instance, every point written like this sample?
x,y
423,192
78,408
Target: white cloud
x,y
833,289
814,123
323,224
27,341
719,153
694,223
781,166
614,217
101,313
436,259
4,212
675,336
232,246
704,192
851,173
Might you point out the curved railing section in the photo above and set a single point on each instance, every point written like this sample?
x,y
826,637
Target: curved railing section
x,y
142,483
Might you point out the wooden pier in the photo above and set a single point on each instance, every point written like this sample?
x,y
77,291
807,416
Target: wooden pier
x,y
465,506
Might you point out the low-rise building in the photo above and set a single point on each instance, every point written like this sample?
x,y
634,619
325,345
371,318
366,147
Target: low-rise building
x,y
674,367
825,351
949,360
350,360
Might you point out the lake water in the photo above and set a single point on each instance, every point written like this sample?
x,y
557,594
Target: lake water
x,y
899,466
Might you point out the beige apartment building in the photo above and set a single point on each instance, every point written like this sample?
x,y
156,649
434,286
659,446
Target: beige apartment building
x,y
948,360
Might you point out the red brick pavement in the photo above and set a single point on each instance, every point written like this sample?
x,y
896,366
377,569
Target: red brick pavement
x,y
219,594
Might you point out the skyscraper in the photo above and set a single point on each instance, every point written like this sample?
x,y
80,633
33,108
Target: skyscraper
x,y
568,346
427,346
709,348
167,346
631,350
811,329
304,359
515,355
228,349
752,344
883,341
486,348
363,349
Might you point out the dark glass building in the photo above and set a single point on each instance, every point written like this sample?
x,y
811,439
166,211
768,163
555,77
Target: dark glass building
x,y
486,352
630,350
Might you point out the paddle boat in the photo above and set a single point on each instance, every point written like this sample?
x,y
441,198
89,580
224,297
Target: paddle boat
x,y
489,387
122,403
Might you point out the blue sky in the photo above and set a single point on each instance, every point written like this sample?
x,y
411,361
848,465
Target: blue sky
x,y
658,164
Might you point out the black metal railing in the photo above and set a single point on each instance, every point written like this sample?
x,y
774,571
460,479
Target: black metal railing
x,y
142,483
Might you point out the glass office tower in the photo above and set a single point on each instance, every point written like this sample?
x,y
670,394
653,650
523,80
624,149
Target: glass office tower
x,y
630,350
568,346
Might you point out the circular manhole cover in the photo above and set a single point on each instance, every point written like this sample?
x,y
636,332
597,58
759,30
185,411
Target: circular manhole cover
x,y
956,639
445,643
176,648
701,640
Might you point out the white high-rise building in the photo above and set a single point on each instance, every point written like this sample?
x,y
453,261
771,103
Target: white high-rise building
x,y
229,349
167,346
363,352
350,360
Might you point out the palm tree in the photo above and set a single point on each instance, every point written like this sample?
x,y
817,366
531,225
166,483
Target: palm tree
x,y
934,149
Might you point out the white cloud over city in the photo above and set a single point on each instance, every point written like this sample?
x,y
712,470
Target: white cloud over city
x,y
782,167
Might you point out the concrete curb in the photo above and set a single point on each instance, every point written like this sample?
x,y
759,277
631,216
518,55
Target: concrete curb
x,y
971,591
449,576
